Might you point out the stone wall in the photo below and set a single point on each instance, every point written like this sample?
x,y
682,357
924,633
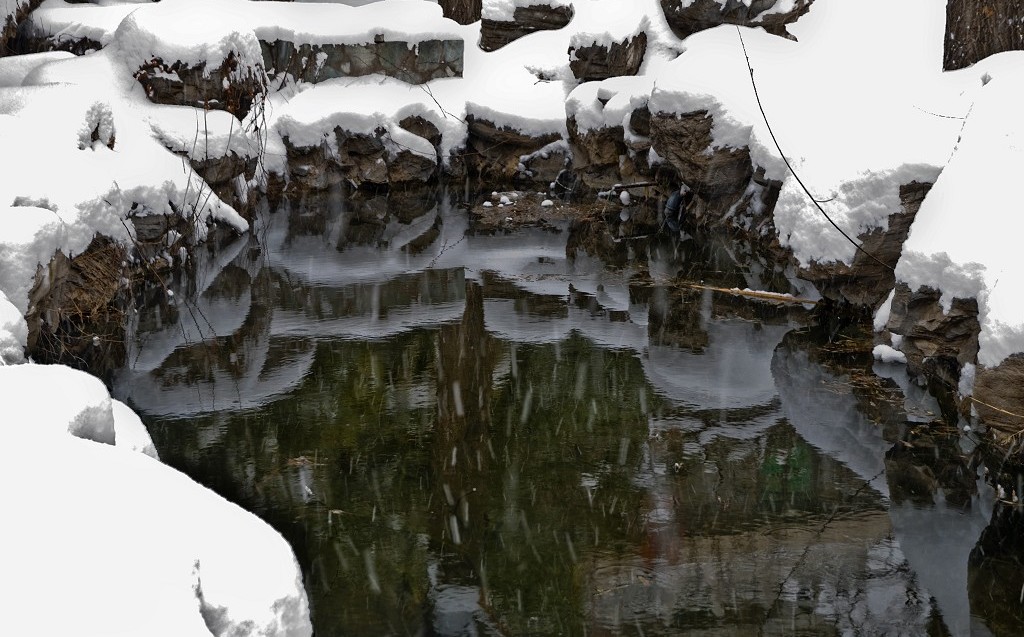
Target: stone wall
x,y
413,63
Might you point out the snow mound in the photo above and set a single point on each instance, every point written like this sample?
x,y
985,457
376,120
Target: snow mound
x,y
83,410
14,68
129,432
411,21
363,105
607,103
13,333
887,354
616,22
152,552
194,32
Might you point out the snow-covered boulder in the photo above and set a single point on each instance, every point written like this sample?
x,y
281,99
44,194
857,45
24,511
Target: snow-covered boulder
x,y
505,21
193,53
375,131
603,119
614,47
960,268
152,552
687,17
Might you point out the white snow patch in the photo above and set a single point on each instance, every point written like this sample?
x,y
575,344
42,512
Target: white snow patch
x,y
887,354
130,432
13,333
884,311
152,552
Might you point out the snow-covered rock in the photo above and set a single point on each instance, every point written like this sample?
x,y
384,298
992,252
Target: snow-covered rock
x,y
504,21
13,332
687,17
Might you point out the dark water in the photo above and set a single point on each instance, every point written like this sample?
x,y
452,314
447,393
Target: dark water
x,y
472,434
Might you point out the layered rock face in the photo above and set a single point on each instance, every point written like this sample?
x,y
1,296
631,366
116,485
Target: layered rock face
x,y
976,30
868,280
600,62
705,14
495,34
999,394
228,87
416,63
715,174
494,152
935,341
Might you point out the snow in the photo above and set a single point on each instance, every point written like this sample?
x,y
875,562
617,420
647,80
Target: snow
x,y
151,551
963,241
887,354
616,22
13,332
857,144
14,68
504,10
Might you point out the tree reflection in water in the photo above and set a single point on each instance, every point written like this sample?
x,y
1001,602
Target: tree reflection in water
x,y
478,434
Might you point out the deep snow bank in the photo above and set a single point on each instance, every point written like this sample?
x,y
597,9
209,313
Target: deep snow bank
x,y
120,543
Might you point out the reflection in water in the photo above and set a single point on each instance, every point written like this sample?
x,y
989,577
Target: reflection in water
x,y
477,434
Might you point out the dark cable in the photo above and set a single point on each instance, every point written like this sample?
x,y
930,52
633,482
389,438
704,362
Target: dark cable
x,y
817,205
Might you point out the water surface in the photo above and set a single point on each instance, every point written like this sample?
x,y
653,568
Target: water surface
x,y
496,434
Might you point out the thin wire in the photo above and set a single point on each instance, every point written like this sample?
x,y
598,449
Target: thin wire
x,y
788,165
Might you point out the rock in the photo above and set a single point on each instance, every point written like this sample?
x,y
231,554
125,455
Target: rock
x,y
976,30
219,171
705,14
999,395
935,342
685,142
462,11
599,62
9,22
596,154
76,315
422,128
866,282
312,168
226,88
495,34
407,167
416,63
494,152
371,160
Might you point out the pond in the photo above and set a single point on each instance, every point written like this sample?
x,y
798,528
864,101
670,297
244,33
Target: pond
x,y
558,431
